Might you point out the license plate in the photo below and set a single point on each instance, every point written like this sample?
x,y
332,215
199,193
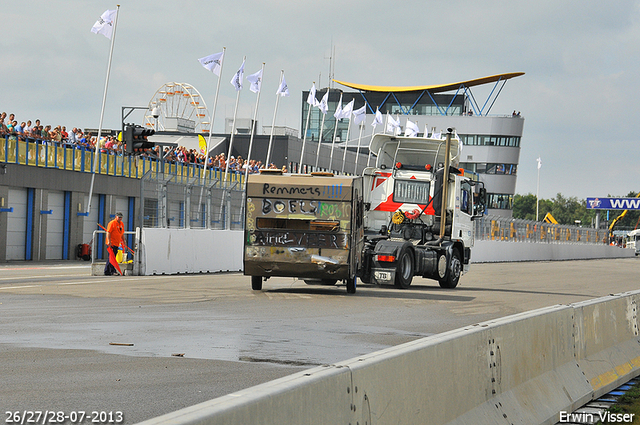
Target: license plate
x,y
382,275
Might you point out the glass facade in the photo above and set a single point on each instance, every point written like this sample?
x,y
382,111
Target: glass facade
x,y
493,140
404,103
490,168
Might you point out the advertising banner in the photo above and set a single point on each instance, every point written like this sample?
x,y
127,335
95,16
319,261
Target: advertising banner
x,y
613,203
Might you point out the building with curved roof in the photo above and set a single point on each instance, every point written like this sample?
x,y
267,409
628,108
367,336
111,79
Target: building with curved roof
x,y
491,142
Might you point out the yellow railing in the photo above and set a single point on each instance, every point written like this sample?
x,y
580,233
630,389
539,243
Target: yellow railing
x,y
81,160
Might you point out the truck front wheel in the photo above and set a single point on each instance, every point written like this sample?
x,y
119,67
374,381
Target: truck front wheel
x,y
351,285
454,270
404,268
256,283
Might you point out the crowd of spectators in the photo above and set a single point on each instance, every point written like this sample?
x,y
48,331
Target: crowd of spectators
x,y
183,155
45,134
36,132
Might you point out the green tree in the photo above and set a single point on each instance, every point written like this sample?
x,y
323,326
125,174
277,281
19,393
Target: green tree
x,y
524,206
569,210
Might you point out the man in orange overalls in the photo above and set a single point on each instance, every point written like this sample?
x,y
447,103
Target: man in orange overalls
x,y
115,231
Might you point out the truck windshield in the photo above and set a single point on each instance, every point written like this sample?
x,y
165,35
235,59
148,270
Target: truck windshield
x,y
411,192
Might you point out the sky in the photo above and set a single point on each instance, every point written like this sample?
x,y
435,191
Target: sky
x,y
580,58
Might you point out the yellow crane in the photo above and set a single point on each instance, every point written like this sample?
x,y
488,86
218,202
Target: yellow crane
x,y
549,219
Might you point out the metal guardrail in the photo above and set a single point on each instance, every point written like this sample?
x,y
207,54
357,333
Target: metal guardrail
x,y
518,230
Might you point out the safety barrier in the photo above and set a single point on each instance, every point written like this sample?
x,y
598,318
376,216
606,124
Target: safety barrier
x,y
488,251
172,251
522,369
498,228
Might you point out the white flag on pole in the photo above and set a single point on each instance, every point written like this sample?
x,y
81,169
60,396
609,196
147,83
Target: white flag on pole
x,y
256,81
283,89
236,81
412,129
359,115
348,109
104,25
311,99
392,124
377,120
324,103
338,113
539,162
213,62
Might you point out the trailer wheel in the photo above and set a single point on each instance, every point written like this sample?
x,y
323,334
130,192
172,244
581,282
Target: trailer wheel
x,y
256,283
351,285
454,270
404,269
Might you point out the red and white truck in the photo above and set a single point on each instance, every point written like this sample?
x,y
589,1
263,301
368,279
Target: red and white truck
x,y
412,214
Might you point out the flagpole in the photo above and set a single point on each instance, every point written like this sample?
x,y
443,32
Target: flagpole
x,y
324,115
228,159
233,130
104,100
374,132
344,154
335,132
273,122
386,123
246,171
213,115
304,137
358,150
538,189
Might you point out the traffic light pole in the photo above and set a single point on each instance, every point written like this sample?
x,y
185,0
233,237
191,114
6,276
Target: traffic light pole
x,y
130,109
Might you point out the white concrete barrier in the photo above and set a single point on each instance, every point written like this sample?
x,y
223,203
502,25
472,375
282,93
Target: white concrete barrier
x,y
606,340
487,251
522,369
321,395
171,251
513,371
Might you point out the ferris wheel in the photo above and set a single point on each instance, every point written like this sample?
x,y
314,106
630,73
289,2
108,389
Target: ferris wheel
x,y
178,107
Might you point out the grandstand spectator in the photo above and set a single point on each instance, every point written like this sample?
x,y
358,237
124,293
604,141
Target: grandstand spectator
x,y
56,135
20,131
44,133
107,144
28,128
65,135
3,128
72,137
81,140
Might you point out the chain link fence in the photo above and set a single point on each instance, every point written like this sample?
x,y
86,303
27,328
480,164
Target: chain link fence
x,y
173,201
518,230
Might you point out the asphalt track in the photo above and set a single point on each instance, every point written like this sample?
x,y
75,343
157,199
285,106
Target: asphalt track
x,y
150,345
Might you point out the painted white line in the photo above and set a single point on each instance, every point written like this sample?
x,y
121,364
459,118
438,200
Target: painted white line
x,y
20,287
